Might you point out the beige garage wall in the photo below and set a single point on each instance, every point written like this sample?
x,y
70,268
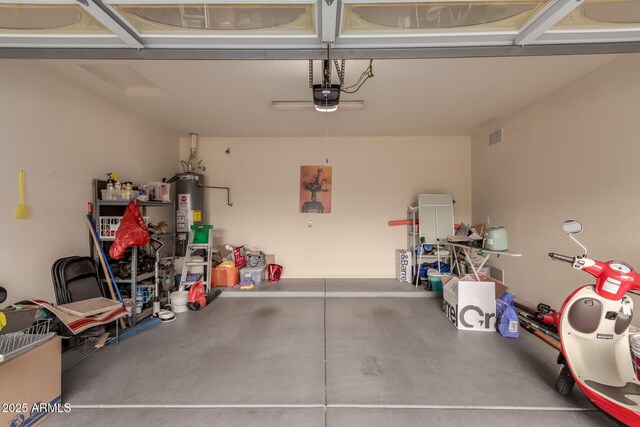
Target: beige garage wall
x,y
573,155
374,180
62,137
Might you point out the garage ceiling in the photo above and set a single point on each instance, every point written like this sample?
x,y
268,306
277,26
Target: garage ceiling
x,y
289,29
414,97
405,97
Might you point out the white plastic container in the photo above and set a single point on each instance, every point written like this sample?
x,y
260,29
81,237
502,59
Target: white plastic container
x,y
119,194
179,301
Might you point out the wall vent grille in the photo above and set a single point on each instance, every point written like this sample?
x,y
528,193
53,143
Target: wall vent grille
x,y
495,137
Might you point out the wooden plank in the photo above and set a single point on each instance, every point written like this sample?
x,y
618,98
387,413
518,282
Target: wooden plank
x,y
102,340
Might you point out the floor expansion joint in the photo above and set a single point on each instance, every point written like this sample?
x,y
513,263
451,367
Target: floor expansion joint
x,y
336,294
336,406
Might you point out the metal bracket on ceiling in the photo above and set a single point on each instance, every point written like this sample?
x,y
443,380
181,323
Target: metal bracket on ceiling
x,y
118,28
546,19
340,70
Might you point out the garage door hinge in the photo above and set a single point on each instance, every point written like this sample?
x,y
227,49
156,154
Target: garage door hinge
x,y
84,2
329,2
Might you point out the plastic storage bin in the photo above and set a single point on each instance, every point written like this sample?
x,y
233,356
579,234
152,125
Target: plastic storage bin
x,y
145,293
253,274
228,277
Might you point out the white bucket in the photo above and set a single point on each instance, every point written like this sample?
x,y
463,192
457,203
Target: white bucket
x,y
179,301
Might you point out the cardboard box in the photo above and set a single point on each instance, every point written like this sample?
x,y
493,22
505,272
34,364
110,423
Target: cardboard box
x,y
236,255
404,265
30,385
471,305
228,277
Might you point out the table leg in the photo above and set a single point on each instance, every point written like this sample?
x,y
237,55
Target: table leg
x,y
455,264
467,254
479,267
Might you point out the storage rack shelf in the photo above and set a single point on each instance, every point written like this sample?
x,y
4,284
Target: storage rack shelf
x,y
126,202
80,351
430,222
139,277
116,208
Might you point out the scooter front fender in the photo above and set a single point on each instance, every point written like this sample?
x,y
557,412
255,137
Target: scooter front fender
x,y
594,334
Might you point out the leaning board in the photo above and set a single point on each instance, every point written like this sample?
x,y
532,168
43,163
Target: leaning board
x,y
89,307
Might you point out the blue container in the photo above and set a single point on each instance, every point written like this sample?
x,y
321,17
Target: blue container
x,y
436,283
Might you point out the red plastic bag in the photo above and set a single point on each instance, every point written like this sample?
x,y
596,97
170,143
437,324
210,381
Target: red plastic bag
x,y
274,272
131,232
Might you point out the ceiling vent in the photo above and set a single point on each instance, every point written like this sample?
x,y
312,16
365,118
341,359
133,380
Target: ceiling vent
x,y
495,136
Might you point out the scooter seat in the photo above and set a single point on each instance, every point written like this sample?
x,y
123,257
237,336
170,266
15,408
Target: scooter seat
x,y
618,394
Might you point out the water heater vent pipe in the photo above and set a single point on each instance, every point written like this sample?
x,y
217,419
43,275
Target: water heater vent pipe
x,y
194,145
193,164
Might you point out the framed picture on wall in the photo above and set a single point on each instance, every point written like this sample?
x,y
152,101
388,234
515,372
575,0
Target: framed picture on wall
x,y
315,189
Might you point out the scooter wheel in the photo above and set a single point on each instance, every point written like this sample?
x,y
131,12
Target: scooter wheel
x,y
565,382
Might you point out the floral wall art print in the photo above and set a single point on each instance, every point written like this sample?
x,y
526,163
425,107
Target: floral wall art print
x,y
315,189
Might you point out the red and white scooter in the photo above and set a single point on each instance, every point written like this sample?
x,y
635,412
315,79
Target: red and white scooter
x,y
594,335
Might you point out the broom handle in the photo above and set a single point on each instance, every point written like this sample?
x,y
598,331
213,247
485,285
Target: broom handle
x,y
21,186
105,270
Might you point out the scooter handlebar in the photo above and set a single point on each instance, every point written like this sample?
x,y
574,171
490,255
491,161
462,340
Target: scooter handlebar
x,y
560,257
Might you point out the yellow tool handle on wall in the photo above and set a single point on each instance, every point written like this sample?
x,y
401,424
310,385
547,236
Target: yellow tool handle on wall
x,y
21,186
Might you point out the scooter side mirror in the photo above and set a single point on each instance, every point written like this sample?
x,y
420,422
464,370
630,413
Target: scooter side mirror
x,y
572,227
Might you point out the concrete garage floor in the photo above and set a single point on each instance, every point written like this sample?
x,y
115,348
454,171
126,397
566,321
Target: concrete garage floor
x,y
258,359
